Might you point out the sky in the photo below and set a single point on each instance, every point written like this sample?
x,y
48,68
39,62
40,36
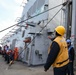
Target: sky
x,y
10,10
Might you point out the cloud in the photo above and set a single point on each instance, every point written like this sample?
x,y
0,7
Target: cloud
x,y
18,12
8,5
20,1
4,25
3,4
13,9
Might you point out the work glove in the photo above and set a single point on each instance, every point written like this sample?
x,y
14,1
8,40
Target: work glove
x,y
45,70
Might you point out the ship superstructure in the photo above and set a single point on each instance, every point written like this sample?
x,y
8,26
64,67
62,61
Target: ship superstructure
x,y
38,20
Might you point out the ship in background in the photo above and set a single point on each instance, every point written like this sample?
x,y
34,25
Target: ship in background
x,y
30,35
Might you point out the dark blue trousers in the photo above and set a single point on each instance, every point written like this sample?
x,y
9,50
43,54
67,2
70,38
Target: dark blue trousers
x,y
70,68
61,70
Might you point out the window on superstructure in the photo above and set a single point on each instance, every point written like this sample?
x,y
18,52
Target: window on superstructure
x,y
39,10
36,8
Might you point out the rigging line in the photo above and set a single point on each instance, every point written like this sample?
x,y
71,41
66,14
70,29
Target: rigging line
x,y
7,28
43,27
34,16
46,24
51,19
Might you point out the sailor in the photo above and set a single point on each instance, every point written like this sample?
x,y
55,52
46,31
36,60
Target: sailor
x,y
58,56
71,58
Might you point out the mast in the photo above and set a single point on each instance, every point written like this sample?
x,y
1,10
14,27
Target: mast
x,y
68,19
73,29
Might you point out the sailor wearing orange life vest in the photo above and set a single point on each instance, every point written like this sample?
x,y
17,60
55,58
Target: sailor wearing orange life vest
x,y
58,55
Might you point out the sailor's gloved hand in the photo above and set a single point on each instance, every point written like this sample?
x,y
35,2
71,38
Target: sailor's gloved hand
x,y
45,70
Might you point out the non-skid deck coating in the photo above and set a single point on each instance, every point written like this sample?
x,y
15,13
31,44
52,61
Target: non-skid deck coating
x,y
19,68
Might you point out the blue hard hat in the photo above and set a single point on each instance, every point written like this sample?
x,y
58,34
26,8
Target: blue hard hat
x,y
68,41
